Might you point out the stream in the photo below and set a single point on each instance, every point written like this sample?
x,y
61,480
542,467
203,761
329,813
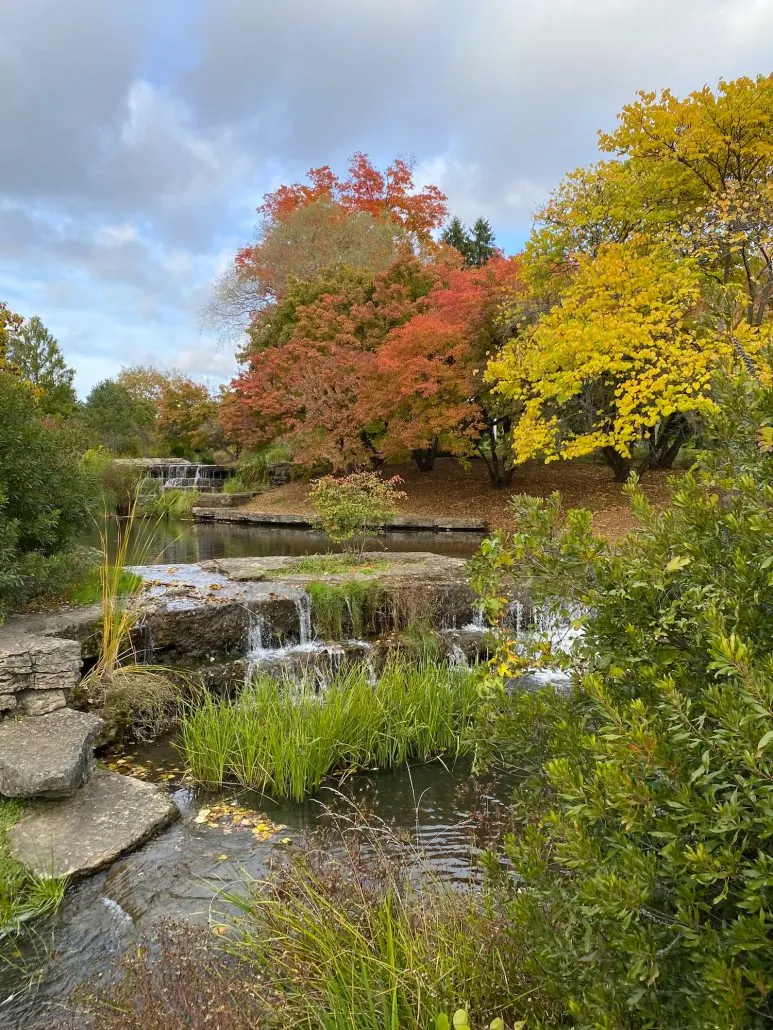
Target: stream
x,y
446,812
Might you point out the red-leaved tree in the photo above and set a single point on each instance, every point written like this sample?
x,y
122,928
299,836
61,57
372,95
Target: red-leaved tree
x,y
427,382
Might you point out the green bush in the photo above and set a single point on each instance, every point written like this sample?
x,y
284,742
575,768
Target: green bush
x,y
46,496
644,879
351,507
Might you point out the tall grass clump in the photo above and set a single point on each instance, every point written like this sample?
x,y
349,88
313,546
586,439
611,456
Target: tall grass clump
x,y
343,937
140,699
284,739
172,503
346,609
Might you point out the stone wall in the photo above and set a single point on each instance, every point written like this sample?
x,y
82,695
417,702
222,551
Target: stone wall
x,y
37,674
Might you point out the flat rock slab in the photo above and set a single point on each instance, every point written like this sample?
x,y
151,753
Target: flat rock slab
x,y
47,756
111,815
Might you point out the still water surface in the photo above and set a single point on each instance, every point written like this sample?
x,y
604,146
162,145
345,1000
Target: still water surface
x,y
172,542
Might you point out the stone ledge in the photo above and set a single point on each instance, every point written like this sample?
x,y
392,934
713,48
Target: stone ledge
x,y
111,815
47,756
266,518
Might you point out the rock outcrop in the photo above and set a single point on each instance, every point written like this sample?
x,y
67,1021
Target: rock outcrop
x,y
109,816
37,673
48,756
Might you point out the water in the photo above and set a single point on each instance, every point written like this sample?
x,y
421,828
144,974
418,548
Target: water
x,y
181,873
173,542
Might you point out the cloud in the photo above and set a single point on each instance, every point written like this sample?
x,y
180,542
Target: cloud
x,y
138,138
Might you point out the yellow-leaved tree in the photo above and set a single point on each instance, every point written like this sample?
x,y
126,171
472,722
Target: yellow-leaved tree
x,y
690,180
622,359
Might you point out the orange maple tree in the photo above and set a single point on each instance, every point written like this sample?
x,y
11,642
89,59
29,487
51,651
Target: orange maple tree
x,y
427,385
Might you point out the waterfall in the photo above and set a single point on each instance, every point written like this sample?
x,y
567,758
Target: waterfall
x,y
303,605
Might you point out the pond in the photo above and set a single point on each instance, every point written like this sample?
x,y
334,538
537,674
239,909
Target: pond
x,y
445,811
172,541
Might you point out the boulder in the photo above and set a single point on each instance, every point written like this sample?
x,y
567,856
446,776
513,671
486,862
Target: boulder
x,y
111,815
40,702
46,756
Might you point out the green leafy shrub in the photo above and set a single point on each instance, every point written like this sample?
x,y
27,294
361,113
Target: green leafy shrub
x,y
46,496
351,507
117,483
644,879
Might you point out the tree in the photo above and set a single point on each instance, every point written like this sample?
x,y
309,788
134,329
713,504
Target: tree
x,y
188,423
619,359
118,421
10,324
383,195
361,221
36,355
311,357
427,386
476,246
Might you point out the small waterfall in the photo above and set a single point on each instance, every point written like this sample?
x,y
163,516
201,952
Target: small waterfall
x,y
303,605
544,623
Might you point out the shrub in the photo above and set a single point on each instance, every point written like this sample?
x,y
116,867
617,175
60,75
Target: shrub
x,y
46,495
351,507
645,841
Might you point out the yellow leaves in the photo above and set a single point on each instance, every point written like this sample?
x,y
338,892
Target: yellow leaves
x,y
623,350
228,816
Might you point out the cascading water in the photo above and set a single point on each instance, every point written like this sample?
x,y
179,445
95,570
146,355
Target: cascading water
x,y
309,662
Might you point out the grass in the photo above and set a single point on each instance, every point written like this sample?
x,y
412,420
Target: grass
x,y
342,937
22,895
345,610
172,504
333,565
284,740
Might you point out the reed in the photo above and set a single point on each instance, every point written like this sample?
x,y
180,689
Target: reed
x,y
284,739
343,936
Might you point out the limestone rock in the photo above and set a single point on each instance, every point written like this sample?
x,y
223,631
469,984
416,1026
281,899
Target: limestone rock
x,y
48,755
40,702
111,815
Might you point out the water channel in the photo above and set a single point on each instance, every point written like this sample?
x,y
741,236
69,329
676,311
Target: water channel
x,y
181,873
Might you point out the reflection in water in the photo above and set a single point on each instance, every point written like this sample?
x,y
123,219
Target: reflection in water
x,y
446,812
171,541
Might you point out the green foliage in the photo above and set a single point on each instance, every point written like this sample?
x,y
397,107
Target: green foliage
x,y
351,507
343,938
172,503
37,356
117,483
646,823
117,420
346,609
284,739
46,496
476,245
22,895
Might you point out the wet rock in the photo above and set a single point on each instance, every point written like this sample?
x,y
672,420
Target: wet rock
x,y
111,815
46,756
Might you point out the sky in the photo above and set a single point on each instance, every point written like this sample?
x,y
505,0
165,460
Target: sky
x,y
138,138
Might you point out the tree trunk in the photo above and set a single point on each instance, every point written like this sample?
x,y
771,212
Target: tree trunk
x,y
425,457
621,467
500,475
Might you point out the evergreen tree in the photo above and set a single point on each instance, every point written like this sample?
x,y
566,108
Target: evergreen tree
x,y
37,356
481,247
476,245
456,235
